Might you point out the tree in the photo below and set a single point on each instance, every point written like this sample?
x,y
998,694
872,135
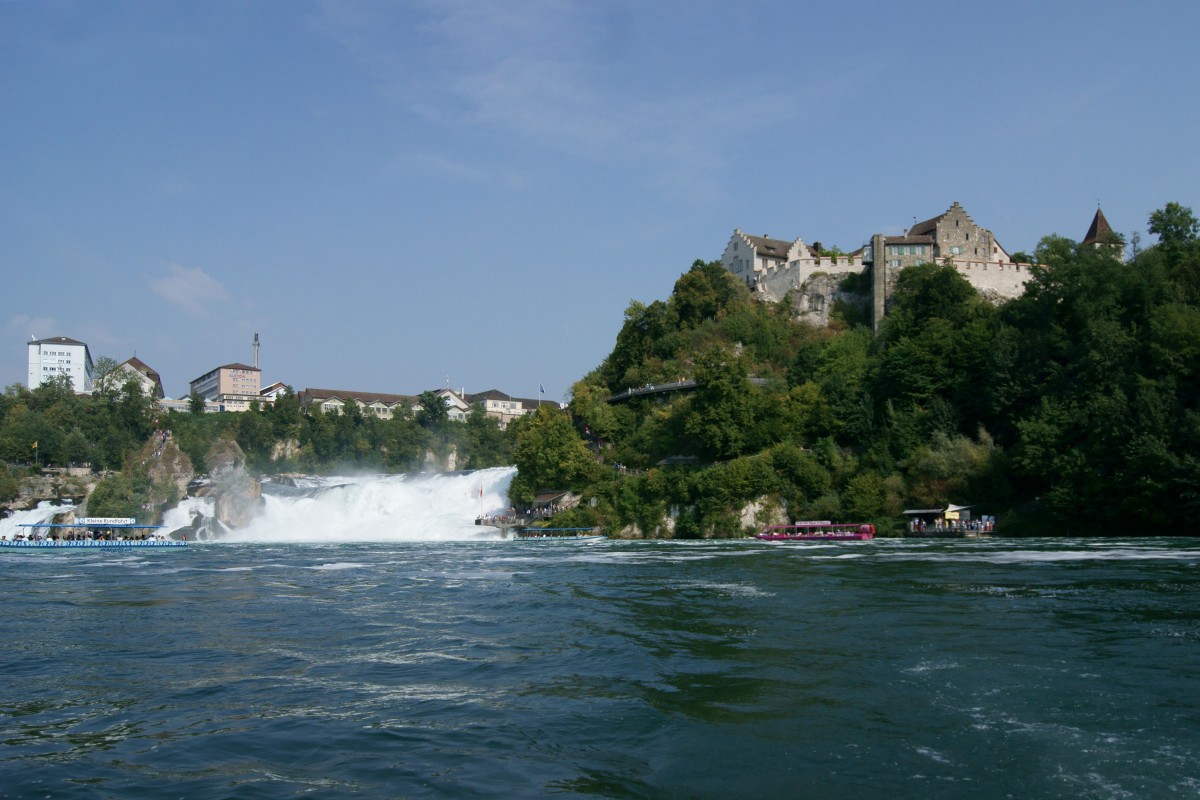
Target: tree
x,y
196,403
1175,225
644,334
549,454
722,407
1054,249
486,444
433,413
703,292
106,377
119,495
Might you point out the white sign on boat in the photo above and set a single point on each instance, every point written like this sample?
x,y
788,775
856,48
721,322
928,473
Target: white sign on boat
x,y
108,521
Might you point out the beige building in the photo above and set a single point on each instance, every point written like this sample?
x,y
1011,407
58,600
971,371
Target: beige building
x,y
377,404
233,387
501,406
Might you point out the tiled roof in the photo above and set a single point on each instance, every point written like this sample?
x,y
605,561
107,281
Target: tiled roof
x,y
59,340
909,239
311,395
1100,231
772,248
490,394
141,366
927,227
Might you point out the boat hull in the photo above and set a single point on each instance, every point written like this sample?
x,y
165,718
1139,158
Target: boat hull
x,y
550,539
85,544
804,537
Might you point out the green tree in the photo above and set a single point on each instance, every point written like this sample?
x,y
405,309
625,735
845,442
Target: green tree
x,y
722,409
549,454
433,413
703,292
487,445
119,495
1175,225
106,377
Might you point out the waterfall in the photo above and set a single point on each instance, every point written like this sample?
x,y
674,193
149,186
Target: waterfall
x,y
361,509
10,526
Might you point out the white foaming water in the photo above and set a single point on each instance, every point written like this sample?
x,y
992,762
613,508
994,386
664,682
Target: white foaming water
x,y
10,525
182,515
382,508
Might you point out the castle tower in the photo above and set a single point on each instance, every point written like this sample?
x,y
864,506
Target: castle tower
x,y
1101,236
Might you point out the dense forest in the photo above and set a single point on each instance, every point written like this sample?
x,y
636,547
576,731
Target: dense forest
x,y
1071,410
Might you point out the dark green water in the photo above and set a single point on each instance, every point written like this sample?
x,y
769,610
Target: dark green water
x,y
979,669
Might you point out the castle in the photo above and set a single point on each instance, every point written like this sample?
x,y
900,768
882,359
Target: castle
x,y
773,268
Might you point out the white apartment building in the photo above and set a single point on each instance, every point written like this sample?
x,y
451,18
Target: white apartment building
x,y
60,355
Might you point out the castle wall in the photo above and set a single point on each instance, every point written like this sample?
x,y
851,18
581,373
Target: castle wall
x,y
1005,281
772,283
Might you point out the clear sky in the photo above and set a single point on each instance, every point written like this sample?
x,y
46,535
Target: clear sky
x,y
393,194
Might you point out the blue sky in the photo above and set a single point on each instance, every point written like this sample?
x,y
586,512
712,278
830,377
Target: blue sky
x,y
397,194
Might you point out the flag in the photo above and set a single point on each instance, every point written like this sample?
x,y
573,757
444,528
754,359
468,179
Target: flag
x,y
35,445
481,490
543,388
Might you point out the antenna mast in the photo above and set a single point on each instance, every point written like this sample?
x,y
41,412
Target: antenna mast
x,y
256,351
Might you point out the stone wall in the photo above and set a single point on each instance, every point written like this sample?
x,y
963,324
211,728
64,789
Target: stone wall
x,y
774,283
995,280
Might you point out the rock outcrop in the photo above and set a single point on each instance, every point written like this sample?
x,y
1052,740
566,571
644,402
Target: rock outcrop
x,y
170,471
237,496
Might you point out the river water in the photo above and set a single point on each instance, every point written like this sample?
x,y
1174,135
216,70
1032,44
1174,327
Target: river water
x,y
469,667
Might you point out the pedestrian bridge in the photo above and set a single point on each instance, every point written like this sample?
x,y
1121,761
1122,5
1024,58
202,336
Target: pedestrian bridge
x,y
685,385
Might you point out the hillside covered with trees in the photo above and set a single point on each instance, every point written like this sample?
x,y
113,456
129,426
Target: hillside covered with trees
x,y
1071,410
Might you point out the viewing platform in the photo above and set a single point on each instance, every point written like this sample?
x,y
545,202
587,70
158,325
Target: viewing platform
x,y
506,525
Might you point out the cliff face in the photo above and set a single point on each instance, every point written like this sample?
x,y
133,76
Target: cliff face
x,y
52,487
752,518
170,471
815,299
237,496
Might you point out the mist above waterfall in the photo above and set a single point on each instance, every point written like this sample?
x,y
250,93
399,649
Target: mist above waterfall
x,y
427,506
